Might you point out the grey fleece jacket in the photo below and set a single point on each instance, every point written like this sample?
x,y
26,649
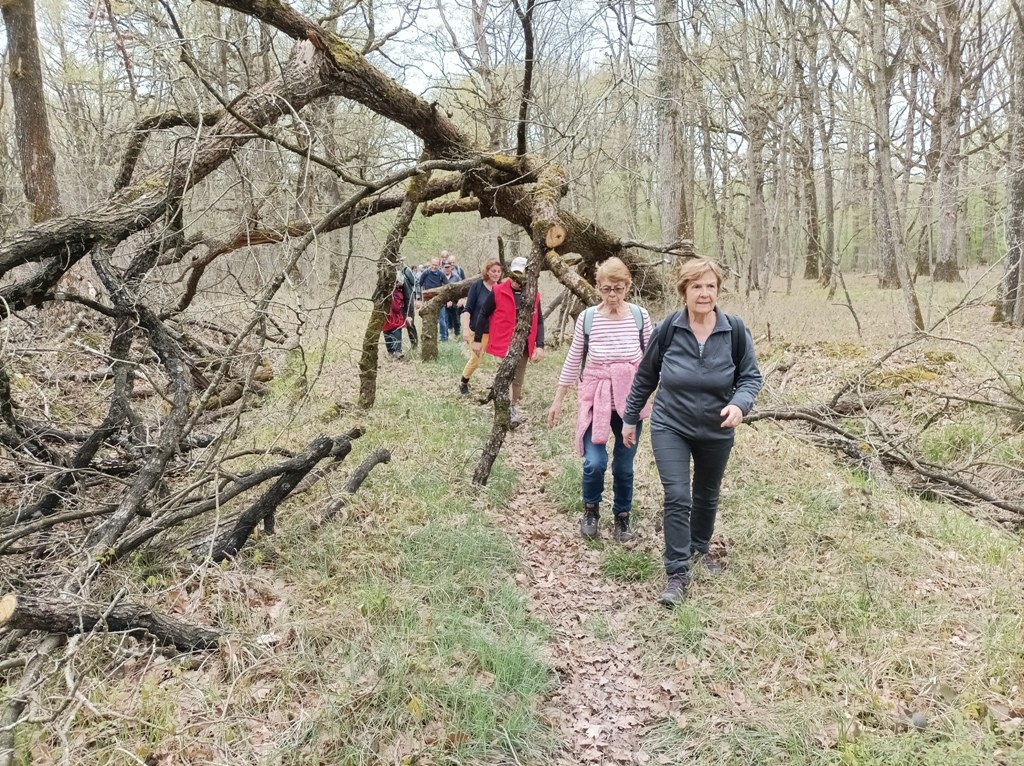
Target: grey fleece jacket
x,y
693,387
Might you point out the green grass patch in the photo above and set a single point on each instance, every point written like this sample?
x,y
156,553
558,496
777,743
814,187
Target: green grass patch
x,y
565,488
955,442
628,565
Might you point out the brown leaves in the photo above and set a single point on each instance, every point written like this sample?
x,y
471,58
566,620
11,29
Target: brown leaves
x,y
605,701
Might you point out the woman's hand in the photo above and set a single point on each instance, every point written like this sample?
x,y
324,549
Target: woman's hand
x,y
475,346
628,435
553,413
733,416
538,354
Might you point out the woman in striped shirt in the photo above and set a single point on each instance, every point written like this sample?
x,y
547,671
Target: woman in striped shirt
x,y
607,345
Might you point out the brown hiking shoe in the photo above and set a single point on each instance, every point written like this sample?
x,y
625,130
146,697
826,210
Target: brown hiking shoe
x,y
675,589
588,524
712,564
621,532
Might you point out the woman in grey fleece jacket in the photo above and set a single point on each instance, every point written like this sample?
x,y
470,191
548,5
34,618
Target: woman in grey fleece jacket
x,y
703,395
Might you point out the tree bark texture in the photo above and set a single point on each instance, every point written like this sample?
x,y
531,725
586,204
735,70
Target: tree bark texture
x,y
1010,301
947,114
676,225
31,124
890,226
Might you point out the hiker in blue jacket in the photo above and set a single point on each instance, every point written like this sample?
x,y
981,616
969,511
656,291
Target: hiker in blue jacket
x,y
703,360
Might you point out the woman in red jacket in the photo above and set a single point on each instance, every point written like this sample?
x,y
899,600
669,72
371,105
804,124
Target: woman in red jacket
x,y
498,321
399,316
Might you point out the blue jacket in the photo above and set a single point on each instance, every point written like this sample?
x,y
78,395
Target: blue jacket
x,y
432,279
694,386
478,293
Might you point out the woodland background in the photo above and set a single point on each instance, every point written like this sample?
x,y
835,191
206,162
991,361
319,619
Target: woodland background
x,y
201,209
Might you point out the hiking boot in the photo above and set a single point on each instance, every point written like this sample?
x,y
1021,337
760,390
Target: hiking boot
x,y
513,416
621,532
588,524
464,386
711,564
675,589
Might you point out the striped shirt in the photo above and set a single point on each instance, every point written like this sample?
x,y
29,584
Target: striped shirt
x,y
611,340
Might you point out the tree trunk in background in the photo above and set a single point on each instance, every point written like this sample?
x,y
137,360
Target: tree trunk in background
x,y
676,224
824,131
989,225
915,128
812,254
948,119
32,128
495,118
890,227
926,242
888,273
757,248
717,219
1010,303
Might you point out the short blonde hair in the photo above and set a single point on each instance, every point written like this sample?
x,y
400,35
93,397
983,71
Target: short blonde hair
x,y
492,261
613,270
691,270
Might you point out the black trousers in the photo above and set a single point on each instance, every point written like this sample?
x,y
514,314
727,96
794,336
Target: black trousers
x,y
689,516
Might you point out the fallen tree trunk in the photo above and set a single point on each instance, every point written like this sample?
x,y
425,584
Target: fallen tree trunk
x,y
887,452
53,615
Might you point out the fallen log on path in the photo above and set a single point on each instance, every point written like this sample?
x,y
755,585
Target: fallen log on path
x,y
56,615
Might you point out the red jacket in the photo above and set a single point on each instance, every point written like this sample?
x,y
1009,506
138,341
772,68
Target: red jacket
x,y
503,321
396,316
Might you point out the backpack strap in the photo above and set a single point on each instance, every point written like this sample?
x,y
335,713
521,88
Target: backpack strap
x,y
638,317
588,322
739,343
666,330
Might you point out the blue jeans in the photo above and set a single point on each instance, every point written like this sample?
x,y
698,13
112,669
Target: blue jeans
x,y
393,340
689,519
442,322
595,463
454,323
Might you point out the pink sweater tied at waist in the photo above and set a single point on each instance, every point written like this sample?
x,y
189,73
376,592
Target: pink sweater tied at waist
x,y
604,385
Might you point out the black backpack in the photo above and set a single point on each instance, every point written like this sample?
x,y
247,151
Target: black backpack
x,y
667,329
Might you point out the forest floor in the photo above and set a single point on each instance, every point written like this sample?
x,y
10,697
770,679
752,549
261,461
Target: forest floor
x,y
437,622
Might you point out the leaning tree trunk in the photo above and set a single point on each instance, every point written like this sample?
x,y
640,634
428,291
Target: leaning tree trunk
x,y
506,371
387,265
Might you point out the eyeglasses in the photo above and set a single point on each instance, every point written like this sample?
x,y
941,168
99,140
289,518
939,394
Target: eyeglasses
x,y
609,289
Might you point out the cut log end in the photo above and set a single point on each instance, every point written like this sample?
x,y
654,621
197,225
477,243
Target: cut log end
x,y
7,606
555,235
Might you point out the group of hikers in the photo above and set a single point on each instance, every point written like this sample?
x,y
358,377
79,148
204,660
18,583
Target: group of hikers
x,y
700,360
